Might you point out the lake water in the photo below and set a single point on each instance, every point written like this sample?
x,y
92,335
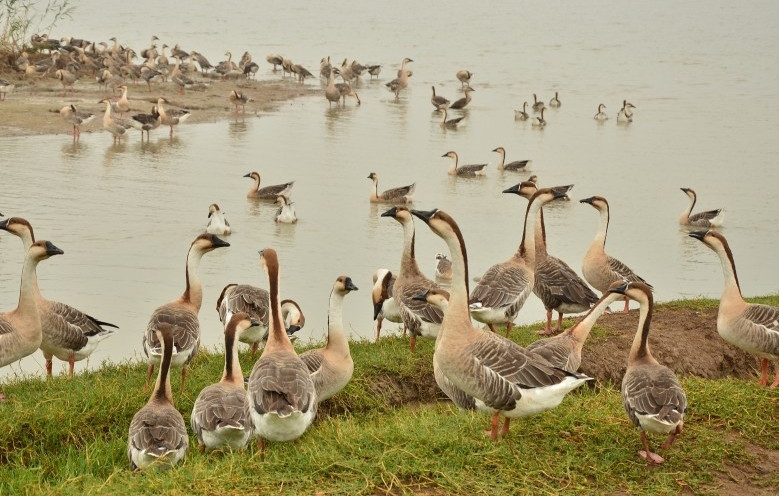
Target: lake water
x,y
702,74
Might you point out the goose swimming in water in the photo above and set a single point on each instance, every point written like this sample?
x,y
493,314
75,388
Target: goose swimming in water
x,y
539,121
521,115
555,101
463,102
601,115
285,214
471,170
450,123
401,194
709,218
268,192
217,223
625,114
537,104
516,165
438,101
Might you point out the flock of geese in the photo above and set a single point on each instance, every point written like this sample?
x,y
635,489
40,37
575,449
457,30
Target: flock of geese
x,y
477,368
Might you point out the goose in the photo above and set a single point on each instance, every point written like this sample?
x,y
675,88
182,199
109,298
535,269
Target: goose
x,y
217,223
419,318
651,394
373,70
325,67
555,101
148,74
20,328
750,326
450,123
521,115
301,72
401,82
285,214
68,333
502,290
282,395
537,105
464,77
117,127
331,367
250,69
601,115
151,52
255,302
220,416
443,268
625,114
5,88
332,93
171,117
181,313
123,104
268,192
401,194
709,218
439,102
384,304
556,284
345,89
599,268
464,170
275,60
539,121
502,377
565,350
238,99
158,434
177,52
286,67
146,122
75,117
68,80
346,72
463,102
181,80
516,165
202,61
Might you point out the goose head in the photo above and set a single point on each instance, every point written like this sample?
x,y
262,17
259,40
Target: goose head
x,y
254,175
269,260
208,242
598,202
293,316
500,150
452,155
344,285
601,107
373,177
41,250
689,192
19,227
212,209
400,214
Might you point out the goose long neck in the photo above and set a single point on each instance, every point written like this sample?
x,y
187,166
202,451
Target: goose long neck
x,y
692,204
527,248
107,114
375,188
162,392
277,336
193,293
540,233
232,371
603,226
582,329
28,289
639,350
459,290
732,288
336,338
408,261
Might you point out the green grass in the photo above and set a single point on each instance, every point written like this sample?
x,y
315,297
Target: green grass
x,y
385,433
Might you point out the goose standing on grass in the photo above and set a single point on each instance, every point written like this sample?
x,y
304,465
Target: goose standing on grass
x,y
752,327
555,101
117,127
463,102
464,77
5,88
331,367
438,101
516,165
599,268
464,170
171,117
217,223
651,394
450,123
419,317
537,104
75,117
600,115
285,214
443,268
502,377
565,350
181,313
401,194
220,416
268,192
68,334
146,122
502,290
401,82
384,304
521,115
255,302
539,121
158,434
709,218
238,99
282,396
557,285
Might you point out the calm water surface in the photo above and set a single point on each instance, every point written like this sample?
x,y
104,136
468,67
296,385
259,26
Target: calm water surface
x,y
702,74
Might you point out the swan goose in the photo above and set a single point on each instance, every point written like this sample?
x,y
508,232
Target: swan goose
x,y
516,165
709,218
285,214
401,194
438,101
158,434
332,94
502,290
464,77
463,102
238,99
75,117
171,117
282,395
443,268
539,121
117,127
599,268
268,192
420,318
68,334
651,394
521,115
220,416
625,114
464,170
750,326
401,82
217,223
450,123
502,377
601,115
555,101
122,105
557,285
146,122
181,313
331,367
384,304
537,105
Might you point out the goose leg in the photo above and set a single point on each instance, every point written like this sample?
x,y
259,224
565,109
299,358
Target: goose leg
x,y
672,437
493,430
776,379
255,347
646,454
559,322
764,372
627,305
413,342
378,328
492,328
49,366
508,328
547,331
184,371
505,430
71,365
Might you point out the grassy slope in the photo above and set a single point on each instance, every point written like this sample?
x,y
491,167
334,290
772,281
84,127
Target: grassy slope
x,y
69,437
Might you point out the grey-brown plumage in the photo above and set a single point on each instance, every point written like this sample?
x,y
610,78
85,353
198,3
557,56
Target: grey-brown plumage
x,y
471,170
709,218
401,194
515,165
267,192
438,101
75,117
461,103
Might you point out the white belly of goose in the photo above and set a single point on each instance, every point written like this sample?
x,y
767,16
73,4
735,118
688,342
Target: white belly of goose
x,y
540,399
276,428
429,329
230,435
650,423
391,311
164,458
178,358
488,315
253,334
64,354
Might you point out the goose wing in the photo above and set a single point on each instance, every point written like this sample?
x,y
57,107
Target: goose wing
x,y
516,165
622,271
705,216
244,298
281,383
218,406
653,390
398,193
557,283
420,309
274,190
765,332
70,328
558,351
186,329
313,360
157,431
503,285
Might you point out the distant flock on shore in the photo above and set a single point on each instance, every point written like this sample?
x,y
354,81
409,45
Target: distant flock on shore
x,y
477,368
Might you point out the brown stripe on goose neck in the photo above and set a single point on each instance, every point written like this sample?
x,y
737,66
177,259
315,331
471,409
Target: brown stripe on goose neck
x,y
385,285
160,394
449,220
229,342
272,266
643,350
729,253
25,223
